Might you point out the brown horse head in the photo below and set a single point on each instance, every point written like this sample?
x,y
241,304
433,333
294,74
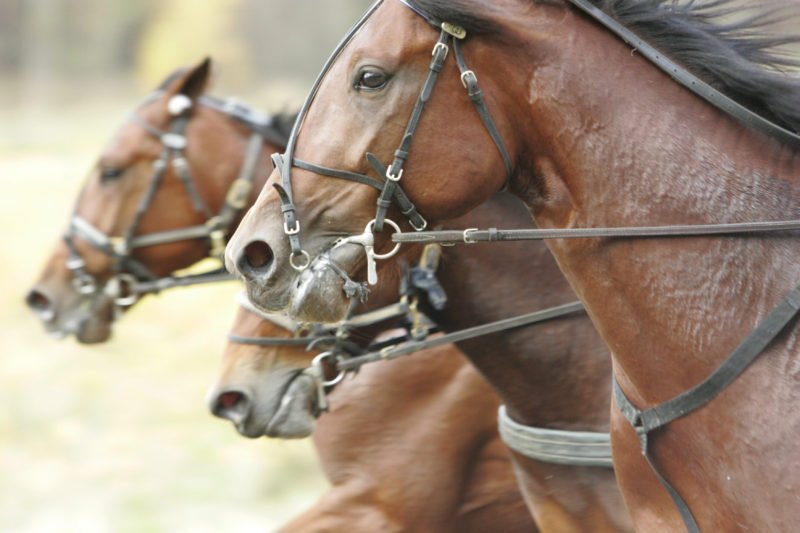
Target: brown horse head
x,y
262,388
362,106
168,168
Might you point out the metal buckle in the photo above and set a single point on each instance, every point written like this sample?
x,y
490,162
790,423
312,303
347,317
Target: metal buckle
x,y
174,141
217,238
456,31
302,267
119,245
466,233
392,177
180,164
293,231
238,193
420,228
75,262
440,46
178,104
464,76
84,284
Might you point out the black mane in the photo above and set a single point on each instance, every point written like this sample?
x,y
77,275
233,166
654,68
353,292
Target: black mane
x,y
744,59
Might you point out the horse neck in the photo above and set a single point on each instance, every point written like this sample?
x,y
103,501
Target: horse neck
x,y
550,375
619,144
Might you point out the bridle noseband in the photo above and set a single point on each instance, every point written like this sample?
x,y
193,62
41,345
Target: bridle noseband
x,y
131,278
391,192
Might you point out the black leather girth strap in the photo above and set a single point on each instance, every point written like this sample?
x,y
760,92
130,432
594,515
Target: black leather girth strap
x,y
646,420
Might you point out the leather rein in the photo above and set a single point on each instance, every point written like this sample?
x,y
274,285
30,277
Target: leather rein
x,y
131,278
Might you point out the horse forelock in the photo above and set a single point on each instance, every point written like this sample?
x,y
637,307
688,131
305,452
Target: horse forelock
x,y
736,47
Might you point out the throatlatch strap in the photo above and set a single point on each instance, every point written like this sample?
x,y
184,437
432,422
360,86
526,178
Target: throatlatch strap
x,y
645,421
470,81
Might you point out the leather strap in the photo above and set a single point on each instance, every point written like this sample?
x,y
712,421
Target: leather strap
x,y
470,81
575,448
646,420
471,236
354,363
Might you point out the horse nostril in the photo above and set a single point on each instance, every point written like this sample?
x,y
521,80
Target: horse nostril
x,y
233,405
40,304
256,259
230,400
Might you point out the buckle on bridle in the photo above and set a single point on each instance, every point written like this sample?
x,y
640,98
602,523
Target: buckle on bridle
x,y
467,239
84,284
392,177
174,141
440,46
456,31
465,75
294,231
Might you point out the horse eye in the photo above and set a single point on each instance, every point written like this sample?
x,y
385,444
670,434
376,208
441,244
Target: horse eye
x,y
110,173
372,80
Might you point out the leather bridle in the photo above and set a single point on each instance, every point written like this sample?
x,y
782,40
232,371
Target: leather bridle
x,y
390,189
131,278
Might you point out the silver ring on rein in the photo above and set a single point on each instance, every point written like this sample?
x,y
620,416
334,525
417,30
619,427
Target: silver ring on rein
x,y
367,240
317,364
303,266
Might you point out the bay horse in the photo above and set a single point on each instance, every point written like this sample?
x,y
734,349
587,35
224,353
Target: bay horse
x,y
164,194
410,445
218,134
551,375
589,133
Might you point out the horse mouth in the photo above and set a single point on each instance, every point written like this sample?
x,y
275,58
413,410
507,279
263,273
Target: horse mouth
x,y
294,416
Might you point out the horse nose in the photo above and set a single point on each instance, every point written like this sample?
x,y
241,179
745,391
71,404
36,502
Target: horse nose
x,y
41,304
255,260
231,404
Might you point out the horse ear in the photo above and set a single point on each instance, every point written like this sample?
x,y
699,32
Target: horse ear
x,y
197,80
192,82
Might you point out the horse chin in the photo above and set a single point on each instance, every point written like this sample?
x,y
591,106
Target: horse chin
x,y
294,418
90,323
93,331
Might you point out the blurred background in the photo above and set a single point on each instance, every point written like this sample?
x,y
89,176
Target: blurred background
x,y
117,437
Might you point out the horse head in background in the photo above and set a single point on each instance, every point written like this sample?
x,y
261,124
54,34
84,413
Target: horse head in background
x,y
165,193
547,98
